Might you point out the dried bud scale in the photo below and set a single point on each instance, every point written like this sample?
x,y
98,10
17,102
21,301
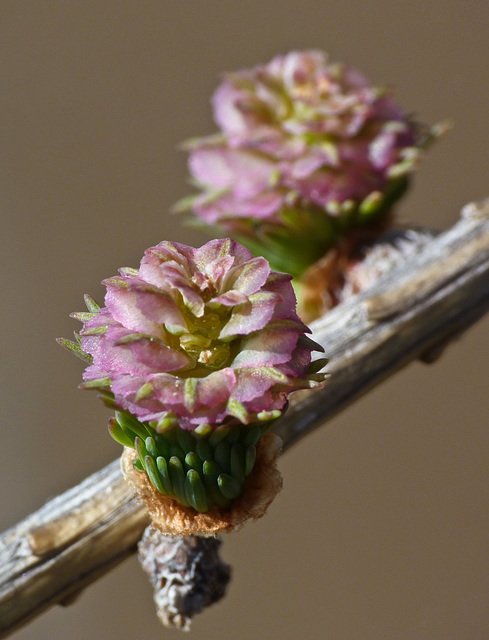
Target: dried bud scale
x,y
354,266
171,517
372,260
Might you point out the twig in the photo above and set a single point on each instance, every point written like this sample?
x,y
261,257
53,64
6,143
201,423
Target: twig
x,y
411,313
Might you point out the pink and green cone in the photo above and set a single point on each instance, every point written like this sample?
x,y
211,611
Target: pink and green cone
x,y
197,351
307,150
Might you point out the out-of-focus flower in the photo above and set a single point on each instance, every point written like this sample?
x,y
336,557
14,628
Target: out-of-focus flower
x,y
198,351
307,150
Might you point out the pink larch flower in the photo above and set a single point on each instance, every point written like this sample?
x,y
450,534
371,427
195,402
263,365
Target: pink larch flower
x,y
198,351
203,336
307,149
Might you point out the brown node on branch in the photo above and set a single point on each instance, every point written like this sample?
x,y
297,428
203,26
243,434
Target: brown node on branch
x,y
187,575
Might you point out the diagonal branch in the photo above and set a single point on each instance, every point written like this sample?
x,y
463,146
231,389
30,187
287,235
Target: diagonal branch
x,y
410,313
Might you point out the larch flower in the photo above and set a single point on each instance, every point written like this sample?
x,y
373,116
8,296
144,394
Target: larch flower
x,y
197,350
307,150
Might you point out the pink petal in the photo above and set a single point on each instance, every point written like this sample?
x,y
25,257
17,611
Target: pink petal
x,y
220,248
226,114
248,277
177,279
299,362
169,390
125,389
266,348
158,357
268,401
246,173
215,258
113,359
150,269
217,270
231,298
160,308
251,383
215,388
251,316
261,206
122,304
280,284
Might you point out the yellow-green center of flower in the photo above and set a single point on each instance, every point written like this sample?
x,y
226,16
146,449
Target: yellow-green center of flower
x,y
202,343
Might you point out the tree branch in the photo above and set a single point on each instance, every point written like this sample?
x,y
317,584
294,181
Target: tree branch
x,y
410,313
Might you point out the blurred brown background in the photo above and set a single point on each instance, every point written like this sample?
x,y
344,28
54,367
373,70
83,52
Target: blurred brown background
x,y
381,530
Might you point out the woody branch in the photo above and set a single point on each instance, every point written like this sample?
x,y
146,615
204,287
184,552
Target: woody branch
x,y
410,313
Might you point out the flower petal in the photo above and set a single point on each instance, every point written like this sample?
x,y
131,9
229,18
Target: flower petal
x,y
245,172
248,277
251,316
266,348
121,302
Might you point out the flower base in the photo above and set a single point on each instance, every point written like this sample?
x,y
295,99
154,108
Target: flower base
x,y
170,517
